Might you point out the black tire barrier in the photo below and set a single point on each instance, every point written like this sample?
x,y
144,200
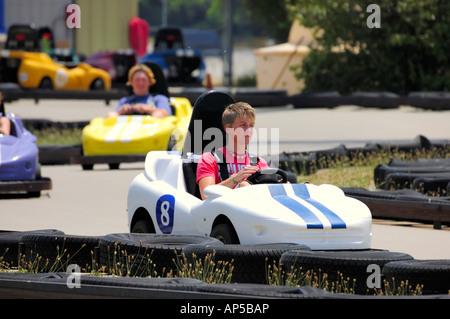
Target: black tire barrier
x,y
260,98
388,177
308,162
58,154
437,186
265,291
250,262
41,124
428,176
421,162
408,180
299,163
432,275
419,143
341,267
55,252
65,285
131,254
56,286
186,284
10,244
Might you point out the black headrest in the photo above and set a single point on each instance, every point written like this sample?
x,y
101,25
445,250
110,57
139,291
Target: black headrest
x,y
206,132
168,38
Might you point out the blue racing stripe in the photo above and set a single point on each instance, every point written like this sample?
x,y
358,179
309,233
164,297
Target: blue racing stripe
x,y
279,194
302,191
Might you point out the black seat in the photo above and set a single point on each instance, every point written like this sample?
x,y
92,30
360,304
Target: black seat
x,y
161,86
205,133
169,38
22,37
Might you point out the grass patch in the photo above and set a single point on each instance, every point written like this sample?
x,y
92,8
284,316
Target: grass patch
x,y
342,177
53,135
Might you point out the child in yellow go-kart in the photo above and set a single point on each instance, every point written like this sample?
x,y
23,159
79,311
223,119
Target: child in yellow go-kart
x,y
141,78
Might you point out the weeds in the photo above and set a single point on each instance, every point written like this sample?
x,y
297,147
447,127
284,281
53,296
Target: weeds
x,y
120,263
403,288
208,270
296,277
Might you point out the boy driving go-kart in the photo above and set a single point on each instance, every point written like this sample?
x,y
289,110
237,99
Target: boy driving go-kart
x,y
166,199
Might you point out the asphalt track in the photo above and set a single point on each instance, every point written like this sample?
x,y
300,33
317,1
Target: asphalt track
x,y
94,202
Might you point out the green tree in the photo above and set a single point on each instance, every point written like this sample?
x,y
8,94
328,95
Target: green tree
x,y
409,52
266,18
272,15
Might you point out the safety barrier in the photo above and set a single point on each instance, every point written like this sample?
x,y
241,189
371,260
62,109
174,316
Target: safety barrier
x,y
72,254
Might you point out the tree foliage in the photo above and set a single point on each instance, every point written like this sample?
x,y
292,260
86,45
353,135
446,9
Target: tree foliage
x,y
409,52
266,18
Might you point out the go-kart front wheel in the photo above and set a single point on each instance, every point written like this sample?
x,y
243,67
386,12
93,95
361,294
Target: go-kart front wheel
x,y
225,233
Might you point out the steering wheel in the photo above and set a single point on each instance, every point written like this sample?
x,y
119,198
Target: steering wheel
x,y
268,176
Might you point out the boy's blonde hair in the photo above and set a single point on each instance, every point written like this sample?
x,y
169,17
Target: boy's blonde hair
x,y
143,68
237,110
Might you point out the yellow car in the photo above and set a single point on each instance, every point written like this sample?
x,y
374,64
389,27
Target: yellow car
x,y
34,70
138,134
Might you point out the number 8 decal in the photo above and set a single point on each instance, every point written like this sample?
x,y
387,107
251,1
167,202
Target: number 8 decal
x,y
165,207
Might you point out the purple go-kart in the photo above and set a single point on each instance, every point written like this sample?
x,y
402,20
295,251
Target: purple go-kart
x,y
19,161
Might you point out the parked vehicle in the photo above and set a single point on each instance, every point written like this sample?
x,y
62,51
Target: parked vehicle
x,y
117,63
181,65
25,62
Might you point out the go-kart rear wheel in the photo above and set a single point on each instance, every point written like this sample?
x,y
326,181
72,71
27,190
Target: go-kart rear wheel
x,y
97,85
87,167
114,165
225,233
46,83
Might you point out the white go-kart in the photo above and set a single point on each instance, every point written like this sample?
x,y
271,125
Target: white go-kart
x,y
164,199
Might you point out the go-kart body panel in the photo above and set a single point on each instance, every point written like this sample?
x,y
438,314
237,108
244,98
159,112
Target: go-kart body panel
x,y
18,153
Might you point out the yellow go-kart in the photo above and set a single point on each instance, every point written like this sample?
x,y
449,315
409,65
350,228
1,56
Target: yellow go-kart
x,y
137,134
37,70
128,138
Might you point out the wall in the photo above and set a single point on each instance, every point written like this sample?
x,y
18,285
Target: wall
x,y
104,25
41,13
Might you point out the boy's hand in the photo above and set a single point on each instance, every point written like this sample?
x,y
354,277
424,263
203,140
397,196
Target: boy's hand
x,y
246,172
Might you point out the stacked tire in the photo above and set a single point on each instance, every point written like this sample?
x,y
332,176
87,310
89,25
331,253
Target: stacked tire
x,y
132,254
138,255
427,176
56,252
250,262
431,276
11,244
344,270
